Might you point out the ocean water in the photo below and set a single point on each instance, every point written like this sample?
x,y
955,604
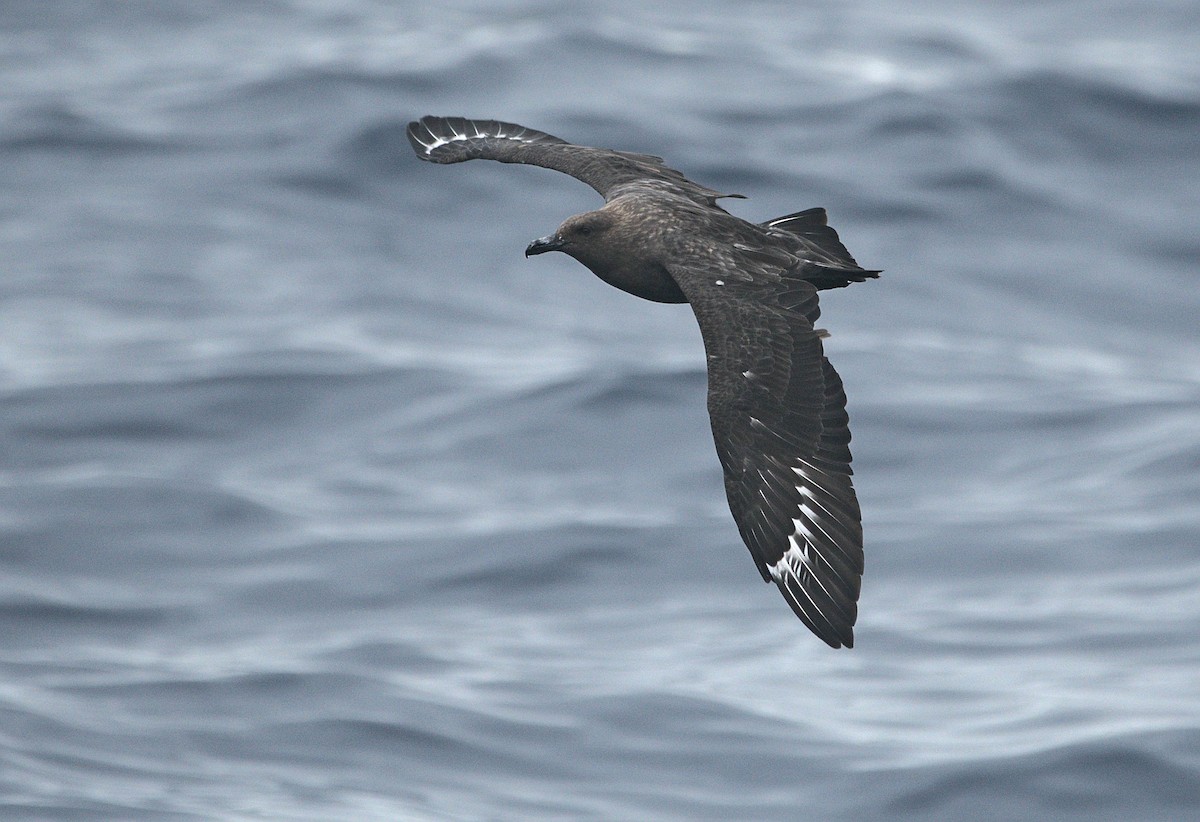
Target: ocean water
x,y
318,501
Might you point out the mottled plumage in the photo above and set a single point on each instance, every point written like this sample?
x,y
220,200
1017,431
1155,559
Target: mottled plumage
x,y
777,406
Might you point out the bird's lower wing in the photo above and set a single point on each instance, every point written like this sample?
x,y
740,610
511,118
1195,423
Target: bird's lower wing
x,y
779,421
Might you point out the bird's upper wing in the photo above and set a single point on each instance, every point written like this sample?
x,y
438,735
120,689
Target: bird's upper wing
x,y
779,420
456,139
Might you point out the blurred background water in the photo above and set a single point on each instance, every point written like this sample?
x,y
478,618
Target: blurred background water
x,y
319,501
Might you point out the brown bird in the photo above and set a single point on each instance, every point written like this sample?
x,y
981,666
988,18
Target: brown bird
x,y
777,407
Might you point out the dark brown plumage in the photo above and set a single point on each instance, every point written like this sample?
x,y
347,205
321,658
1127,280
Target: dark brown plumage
x,y
777,406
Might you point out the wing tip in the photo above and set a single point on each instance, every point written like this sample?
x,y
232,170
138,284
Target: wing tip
x,y
844,639
836,633
454,139
430,136
829,613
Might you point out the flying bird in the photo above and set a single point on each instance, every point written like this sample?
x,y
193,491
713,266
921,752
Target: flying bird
x,y
777,407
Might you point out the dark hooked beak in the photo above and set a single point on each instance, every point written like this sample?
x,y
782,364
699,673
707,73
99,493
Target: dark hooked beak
x,y
544,244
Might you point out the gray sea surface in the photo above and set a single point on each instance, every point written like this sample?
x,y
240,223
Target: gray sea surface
x,y
318,501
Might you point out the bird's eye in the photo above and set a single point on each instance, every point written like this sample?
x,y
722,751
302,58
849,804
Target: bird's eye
x,y
585,230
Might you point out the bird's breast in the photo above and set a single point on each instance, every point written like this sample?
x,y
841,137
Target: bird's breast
x,y
650,282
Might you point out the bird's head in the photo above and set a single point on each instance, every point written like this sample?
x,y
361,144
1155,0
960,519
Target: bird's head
x,y
584,236
617,247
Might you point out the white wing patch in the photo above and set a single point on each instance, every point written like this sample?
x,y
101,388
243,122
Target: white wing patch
x,y
796,572
806,485
808,481
436,141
